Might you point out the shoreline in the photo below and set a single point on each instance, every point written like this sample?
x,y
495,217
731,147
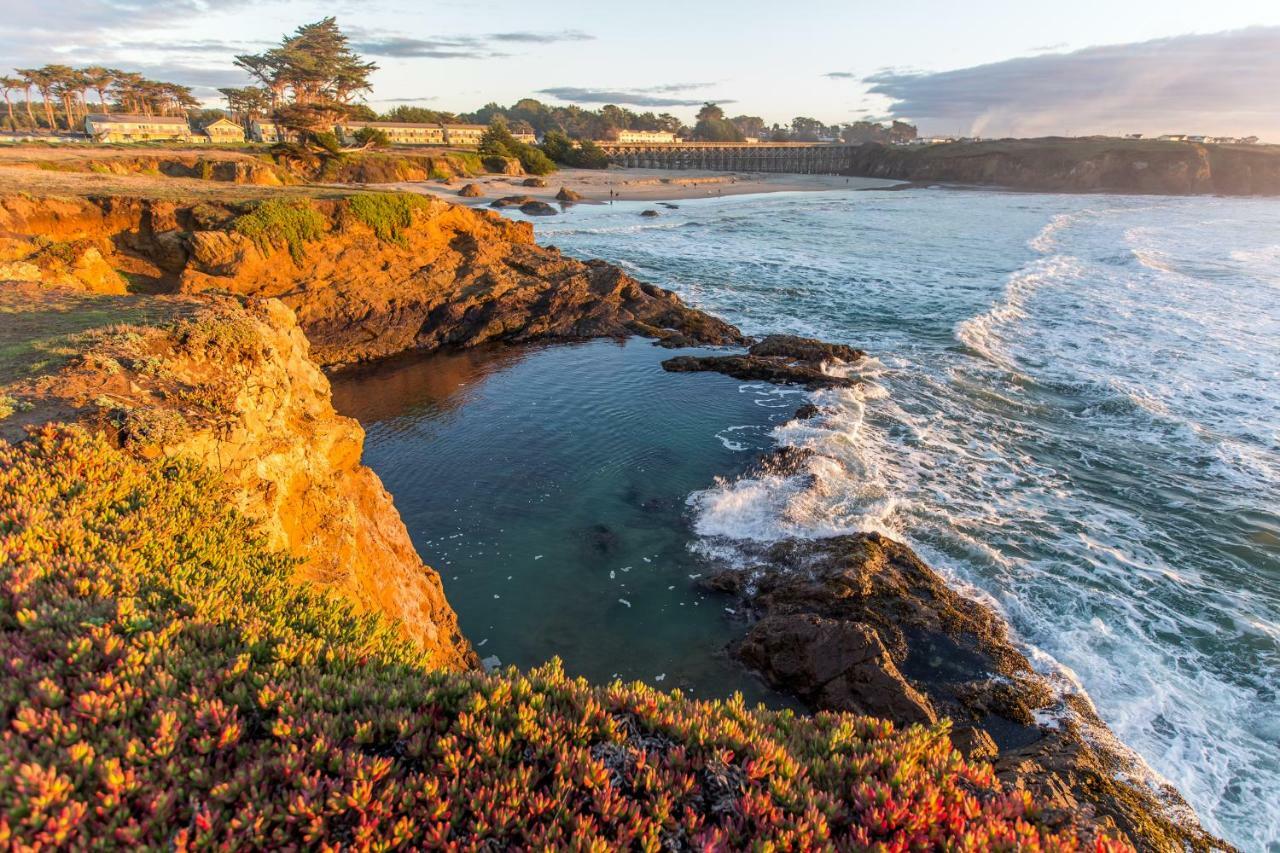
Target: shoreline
x,y
642,185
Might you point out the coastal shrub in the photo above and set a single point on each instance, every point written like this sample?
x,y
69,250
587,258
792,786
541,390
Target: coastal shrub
x,y
372,137
167,685
498,142
293,222
583,154
388,214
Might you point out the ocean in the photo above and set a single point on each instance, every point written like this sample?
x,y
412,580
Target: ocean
x,y
1071,410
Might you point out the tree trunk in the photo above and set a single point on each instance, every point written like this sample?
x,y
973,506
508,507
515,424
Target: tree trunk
x,y
102,102
48,111
30,114
13,125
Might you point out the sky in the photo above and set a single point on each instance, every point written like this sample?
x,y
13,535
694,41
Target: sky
x,y
985,67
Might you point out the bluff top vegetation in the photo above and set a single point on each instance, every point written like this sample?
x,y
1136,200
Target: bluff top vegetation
x,y
168,686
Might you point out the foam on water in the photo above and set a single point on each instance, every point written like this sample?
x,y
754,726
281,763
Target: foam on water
x,y
1075,413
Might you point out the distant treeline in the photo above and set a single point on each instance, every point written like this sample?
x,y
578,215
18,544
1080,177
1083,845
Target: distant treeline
x,y
533,116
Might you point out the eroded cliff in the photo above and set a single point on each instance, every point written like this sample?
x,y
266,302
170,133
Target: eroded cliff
x,y
369,276
229,385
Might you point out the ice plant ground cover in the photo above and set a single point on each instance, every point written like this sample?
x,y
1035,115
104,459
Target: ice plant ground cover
x,y
166,685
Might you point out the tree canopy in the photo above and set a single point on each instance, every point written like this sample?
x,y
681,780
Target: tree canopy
x,y
312,78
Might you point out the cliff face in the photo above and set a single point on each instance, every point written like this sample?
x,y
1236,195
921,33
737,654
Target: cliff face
x,y
231,386
1082,165
402,272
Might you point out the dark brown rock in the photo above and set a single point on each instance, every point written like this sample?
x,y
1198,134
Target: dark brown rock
x,y
512,201
567,194
859,623
534,182
471,191
754,367
807,411
833,664
807,350
649,213
537,208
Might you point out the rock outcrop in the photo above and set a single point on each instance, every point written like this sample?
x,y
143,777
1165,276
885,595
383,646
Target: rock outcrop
x,y
231,387
1080,165
859,623
449,276
784,359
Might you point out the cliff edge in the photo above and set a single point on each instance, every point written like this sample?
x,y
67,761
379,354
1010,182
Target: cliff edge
x,y
1080,165
228,385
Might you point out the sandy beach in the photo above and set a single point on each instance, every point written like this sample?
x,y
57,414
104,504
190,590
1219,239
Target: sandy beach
x,y
645,185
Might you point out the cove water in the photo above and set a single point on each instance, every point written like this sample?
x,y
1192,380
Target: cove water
x,y
1072,410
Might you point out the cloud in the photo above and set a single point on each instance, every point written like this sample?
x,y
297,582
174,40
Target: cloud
x,y
1219,83
650,96
841,75
484,46
542,38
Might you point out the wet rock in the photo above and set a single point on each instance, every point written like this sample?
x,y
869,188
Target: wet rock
x,y
805,412
538,208
649,213
781,359
806,350
753,367
567,194
534,182
785,461
471,191
512,201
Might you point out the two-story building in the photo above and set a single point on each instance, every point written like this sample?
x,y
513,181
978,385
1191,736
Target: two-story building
x,y
648,137
399,132
122,127
464,134
265,130
223,130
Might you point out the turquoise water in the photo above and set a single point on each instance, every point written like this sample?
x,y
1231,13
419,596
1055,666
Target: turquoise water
x,y
548,486
1073,410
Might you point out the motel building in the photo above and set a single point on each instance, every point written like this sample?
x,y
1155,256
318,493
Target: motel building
x,y
136,128
464,134
399,132
649,137
224,130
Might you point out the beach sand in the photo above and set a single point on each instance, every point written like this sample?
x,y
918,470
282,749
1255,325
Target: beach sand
x,y
645,185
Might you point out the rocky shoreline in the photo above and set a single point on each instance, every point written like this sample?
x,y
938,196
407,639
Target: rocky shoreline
x,y
860,624
854,624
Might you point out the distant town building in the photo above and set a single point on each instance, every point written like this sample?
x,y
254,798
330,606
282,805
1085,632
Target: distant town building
x,y
651,137
399,132
223,130
525,136
1173,137
930,140
119,127
464,134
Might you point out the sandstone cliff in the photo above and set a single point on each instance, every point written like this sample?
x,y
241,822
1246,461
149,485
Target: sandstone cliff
x,y
368,276
231,386
1081,165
